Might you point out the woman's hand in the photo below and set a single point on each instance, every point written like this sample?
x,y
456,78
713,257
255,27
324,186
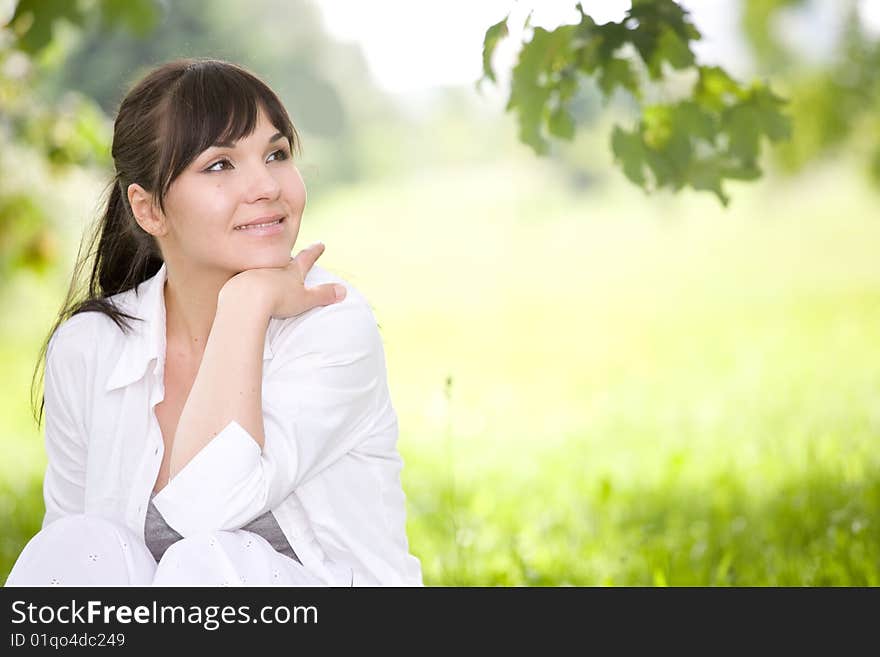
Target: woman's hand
x,y
283,288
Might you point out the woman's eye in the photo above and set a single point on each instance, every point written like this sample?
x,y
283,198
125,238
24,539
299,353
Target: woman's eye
x,y
281,153
211,167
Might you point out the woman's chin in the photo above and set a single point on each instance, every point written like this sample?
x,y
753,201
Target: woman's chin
x,y
279,258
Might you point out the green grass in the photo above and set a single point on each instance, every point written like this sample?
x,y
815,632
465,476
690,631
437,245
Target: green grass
x,y
605,389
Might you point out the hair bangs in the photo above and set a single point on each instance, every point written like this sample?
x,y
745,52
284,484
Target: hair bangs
x,y
210,104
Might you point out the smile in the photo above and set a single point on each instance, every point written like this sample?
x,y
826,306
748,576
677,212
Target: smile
x,y
268,228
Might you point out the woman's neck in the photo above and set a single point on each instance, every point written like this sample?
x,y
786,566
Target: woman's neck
x,y
190,307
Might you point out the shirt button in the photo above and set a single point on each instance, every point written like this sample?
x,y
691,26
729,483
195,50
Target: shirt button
x,y
156,451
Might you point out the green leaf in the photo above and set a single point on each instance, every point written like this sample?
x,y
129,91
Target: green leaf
x,y
672,49
561,124
743,126
618,72
610,37
692,119
493,35
540,58
715,89
666,173
657,126
707,175
662,33
630,152
774,123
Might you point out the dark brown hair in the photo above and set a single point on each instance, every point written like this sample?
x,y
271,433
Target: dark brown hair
x,y
173,114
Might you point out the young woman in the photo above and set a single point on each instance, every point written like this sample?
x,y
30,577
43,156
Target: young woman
x,y
241,431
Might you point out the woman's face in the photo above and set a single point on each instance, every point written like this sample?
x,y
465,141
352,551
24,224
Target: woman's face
x,y
227,186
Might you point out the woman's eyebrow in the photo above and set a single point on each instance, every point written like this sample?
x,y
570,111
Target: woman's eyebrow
x,y
231,144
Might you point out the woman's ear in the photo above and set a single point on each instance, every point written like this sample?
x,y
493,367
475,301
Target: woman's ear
x,y
145,212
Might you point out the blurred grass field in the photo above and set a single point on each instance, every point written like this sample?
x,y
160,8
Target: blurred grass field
x,y
596,389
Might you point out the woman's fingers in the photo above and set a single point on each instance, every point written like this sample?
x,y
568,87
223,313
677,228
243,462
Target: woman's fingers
x,y
307,257
320,295
324,295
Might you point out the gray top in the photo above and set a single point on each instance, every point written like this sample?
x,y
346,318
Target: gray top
x,y
159,535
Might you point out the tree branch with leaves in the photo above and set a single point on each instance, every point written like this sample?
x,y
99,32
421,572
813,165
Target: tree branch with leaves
x,y
713,133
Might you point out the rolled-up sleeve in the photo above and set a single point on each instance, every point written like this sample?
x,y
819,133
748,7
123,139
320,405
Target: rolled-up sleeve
x,y
321,394
65,439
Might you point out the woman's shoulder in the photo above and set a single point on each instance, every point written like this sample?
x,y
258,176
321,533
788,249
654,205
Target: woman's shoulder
x,y
86,331
345,322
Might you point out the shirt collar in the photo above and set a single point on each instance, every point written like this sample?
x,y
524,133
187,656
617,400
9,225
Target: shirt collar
x,y
146,342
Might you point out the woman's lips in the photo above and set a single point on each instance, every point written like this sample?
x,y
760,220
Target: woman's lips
x,y
257,231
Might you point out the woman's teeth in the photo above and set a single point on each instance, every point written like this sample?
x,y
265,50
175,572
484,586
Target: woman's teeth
x,y
271,223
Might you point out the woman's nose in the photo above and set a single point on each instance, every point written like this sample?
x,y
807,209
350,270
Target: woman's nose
x,y
262,184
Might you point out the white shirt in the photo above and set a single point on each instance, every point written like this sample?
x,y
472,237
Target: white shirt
x,y
329,470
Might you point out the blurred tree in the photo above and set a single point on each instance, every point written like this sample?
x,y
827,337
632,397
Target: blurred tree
x,y
711,133
67,132
835,99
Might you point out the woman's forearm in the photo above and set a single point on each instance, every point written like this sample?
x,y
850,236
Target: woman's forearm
x,y
228,385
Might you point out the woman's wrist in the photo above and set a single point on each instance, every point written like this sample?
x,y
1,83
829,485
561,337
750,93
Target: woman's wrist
x,y
244,295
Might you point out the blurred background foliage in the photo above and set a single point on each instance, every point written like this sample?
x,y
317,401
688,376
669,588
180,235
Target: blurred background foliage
x,y
708,411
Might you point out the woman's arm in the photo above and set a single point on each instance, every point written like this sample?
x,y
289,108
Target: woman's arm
x,y
66,443
329,394
228,385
